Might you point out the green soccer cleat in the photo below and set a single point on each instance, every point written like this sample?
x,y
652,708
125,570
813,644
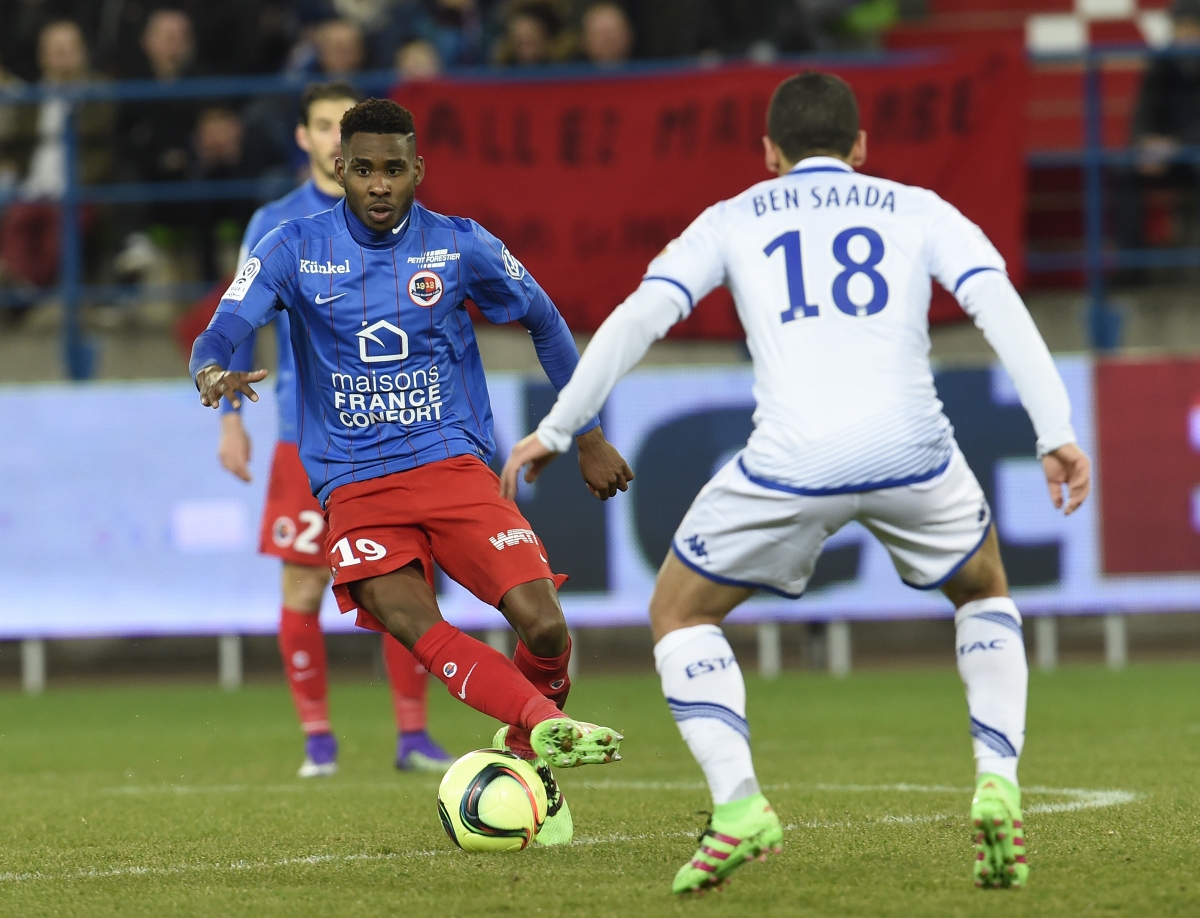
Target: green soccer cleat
x,y
736,833
567,743
558,828
999,834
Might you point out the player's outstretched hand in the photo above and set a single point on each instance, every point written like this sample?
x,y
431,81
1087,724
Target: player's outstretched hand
x,y
530,451
215,384
234,448
1068,466
605,470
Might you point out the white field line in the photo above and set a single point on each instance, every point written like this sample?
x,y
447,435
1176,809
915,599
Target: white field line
x,y
1082,799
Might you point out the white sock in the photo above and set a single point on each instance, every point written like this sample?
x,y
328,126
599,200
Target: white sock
x,y
704,688
990,648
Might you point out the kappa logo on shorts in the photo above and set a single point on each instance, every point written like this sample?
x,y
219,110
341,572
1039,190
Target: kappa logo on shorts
x,y
696,545
501,540
449,670
425,288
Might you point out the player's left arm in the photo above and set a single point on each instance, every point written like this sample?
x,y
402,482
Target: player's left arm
x,y
969,266
504,291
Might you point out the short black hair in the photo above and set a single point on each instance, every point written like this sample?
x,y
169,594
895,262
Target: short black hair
x,y
321,92
813,113
377,116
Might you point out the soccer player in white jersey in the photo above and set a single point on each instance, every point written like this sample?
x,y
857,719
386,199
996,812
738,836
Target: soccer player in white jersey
x,y
830,270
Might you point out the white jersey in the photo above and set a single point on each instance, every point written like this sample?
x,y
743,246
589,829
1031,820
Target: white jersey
x,y
831,271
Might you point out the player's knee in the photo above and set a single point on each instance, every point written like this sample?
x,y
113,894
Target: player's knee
x,y
304,587
981,577
533,611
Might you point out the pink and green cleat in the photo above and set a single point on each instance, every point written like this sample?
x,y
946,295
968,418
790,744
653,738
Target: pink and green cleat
x,y
1000,859
737,832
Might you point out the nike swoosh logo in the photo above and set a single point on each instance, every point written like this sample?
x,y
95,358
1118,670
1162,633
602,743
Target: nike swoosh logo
x,y
462,692
321,301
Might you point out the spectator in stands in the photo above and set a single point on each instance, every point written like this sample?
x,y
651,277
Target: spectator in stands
x,y
534,33
418,60
218,154
156,136
607,37
455,29
29,230
333,48
1167,117
24,21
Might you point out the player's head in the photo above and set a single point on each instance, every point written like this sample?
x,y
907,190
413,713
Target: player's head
x,y
813,114
319,132
379,166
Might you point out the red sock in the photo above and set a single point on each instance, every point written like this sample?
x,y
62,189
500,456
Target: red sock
x,y
482,677
302,647
409,681
549,676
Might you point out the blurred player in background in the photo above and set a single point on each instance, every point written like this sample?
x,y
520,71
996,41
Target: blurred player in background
x,y
293,524
831,273
395,431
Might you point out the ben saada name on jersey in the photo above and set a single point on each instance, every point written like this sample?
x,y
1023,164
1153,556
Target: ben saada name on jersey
x,y
388,371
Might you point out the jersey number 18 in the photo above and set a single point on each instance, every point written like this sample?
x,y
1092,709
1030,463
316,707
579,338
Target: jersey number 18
x,y
798,305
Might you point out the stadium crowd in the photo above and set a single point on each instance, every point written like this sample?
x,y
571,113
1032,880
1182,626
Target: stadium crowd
x,y
53,42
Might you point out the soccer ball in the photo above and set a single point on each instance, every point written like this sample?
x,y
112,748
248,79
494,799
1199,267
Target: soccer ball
x,y
491,801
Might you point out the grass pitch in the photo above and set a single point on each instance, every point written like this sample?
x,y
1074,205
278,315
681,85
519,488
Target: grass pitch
x,y
181,801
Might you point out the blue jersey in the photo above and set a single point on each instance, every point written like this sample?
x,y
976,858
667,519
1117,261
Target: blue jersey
x,y
300,202
388,373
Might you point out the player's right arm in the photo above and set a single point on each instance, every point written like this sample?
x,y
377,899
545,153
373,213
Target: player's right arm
x,y
250,302
969,266
233,449
687,270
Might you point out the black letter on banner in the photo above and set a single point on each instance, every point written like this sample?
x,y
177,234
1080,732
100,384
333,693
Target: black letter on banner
x,y
570,137
725,122
565,516
960,106
677,121
606,143
489,144
522,128
445,127
673,465
924,112
986,433
885,118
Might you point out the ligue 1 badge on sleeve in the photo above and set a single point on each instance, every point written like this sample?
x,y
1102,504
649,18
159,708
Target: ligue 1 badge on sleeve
x,y
515,269
425,288
241,284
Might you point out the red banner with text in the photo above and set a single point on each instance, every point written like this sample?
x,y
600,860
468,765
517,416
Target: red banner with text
x,y
586,179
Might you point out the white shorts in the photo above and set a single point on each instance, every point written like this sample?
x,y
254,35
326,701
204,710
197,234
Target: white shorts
x,y
743,533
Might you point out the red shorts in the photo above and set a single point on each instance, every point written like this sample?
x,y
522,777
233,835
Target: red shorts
x,y
450,512
293,524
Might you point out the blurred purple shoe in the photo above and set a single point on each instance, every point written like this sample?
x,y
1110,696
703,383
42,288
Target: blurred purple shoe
x,y
320,756
418,752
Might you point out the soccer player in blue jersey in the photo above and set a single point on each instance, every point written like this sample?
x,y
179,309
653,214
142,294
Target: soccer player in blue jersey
x,y
293,523
394,429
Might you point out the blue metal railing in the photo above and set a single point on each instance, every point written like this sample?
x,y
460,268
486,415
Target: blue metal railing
x,y
79,355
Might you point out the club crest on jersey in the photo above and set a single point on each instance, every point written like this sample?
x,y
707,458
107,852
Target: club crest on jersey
x,y
425,288
449,670
241,284
515,269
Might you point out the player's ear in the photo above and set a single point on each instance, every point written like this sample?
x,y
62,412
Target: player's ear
x,y
339,170
302,138
770,156
419,171
858,152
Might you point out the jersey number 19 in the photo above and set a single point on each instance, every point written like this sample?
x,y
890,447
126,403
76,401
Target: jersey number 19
x,y
798,305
